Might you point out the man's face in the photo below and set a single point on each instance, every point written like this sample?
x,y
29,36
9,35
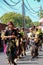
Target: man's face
x,y
10,26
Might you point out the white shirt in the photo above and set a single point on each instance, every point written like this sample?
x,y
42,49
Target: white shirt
x,y
29,34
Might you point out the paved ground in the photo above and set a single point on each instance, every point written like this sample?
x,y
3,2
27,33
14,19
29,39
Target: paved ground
x,y
26,60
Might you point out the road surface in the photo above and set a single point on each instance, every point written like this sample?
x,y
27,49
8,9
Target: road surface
x,y
26,60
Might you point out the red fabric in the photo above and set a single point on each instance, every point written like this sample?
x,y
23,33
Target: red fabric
x,y
5,48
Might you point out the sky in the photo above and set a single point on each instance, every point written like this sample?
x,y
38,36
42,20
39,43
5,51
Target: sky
x,y
4,8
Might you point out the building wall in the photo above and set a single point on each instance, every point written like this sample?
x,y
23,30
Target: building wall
x,y
2,26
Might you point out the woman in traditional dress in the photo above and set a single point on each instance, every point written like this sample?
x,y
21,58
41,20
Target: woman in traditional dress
x,y
9,37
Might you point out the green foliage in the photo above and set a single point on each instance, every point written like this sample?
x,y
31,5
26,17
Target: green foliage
x,y
41,14
36,23
16,19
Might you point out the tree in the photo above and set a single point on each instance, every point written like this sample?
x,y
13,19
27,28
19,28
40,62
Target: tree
x,y
16,19
41,14
36,23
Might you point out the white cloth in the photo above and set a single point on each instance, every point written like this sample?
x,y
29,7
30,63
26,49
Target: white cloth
x,y
29,34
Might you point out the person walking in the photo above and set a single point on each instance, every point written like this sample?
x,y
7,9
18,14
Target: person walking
x,y
10,36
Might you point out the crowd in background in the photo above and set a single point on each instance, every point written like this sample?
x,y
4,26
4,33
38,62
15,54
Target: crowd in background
x,y
16,41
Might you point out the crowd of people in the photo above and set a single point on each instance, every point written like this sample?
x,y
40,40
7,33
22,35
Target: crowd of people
x,y
16,41
35,40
